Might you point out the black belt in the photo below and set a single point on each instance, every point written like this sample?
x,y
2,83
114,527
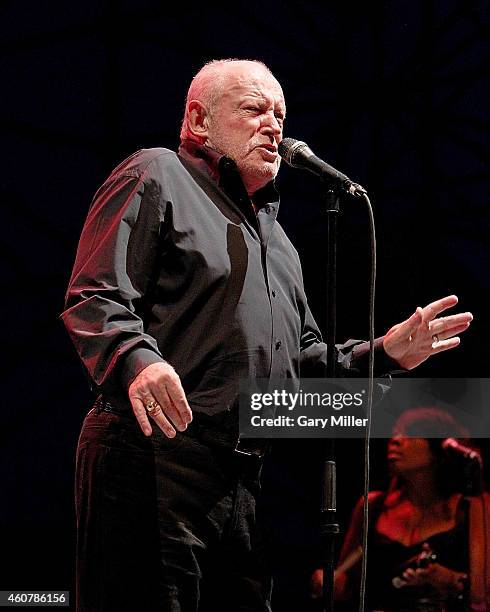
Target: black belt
x,y
252,450
243,455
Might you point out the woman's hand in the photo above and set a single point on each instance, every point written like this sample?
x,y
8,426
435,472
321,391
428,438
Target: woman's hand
x,y
341,585
445,581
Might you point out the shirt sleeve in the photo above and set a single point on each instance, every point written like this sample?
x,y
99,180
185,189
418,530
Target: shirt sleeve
x,y
352,356
112,277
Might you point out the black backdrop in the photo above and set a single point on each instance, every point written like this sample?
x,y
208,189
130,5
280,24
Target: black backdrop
x,y
394,93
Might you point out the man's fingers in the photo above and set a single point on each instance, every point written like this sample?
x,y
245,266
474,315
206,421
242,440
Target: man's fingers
x,y
446,324
179,400
445,328
452,331
158,386
445,345
158,416
434,308
141,415
171,413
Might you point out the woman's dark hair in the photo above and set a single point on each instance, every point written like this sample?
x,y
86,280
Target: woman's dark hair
x,y
436,425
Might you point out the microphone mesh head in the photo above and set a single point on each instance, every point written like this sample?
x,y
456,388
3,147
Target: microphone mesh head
x,y
286,149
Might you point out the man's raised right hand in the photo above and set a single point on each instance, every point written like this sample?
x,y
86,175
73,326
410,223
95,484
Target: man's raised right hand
x,y
157,393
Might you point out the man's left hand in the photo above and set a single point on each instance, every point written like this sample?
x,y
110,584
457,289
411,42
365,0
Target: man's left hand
x,y
424,333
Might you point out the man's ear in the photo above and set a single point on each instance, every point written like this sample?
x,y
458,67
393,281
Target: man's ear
x,y
198,119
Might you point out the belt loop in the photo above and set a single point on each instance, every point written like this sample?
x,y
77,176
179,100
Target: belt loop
x,y
102,405
251,448
249,456
98,405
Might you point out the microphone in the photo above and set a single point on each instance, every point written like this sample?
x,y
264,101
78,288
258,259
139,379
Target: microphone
x,y
452,444
299,155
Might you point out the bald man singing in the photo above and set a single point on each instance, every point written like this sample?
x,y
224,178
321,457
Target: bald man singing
x,y
184,283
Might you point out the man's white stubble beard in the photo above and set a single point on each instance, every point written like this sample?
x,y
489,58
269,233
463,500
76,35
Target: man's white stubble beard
x,y
264,170
247,168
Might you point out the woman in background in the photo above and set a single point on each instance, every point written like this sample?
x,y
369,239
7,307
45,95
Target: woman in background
x,y
426,538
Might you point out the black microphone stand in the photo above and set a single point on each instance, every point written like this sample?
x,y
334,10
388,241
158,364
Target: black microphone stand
x,y
328,526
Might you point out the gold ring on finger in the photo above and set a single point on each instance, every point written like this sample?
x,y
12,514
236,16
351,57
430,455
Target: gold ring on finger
x,y
152,406
435,338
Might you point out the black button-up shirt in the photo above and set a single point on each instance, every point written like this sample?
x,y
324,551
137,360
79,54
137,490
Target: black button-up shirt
x,y
175,265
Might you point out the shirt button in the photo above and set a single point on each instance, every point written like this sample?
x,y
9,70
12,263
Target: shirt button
x,y
278,345
273,293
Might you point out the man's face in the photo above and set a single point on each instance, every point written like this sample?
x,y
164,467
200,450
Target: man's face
x,y
246,123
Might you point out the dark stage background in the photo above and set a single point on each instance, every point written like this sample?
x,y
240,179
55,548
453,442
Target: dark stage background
x,y
393,93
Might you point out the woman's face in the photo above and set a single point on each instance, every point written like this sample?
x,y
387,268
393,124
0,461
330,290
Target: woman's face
x,y
406,455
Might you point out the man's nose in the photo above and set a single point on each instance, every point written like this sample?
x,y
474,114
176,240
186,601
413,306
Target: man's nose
x,y
271,125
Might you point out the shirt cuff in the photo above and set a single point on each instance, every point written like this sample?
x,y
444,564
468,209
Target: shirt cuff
x,y
136,361
383,363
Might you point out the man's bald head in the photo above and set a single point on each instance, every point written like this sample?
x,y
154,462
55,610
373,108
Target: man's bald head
x,y
236,107
209,84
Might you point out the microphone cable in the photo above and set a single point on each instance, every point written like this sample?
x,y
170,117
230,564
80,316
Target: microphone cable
x,y
367,435
486,569
297,154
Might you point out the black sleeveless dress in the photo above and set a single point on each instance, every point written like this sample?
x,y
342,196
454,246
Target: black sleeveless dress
x,y
387,558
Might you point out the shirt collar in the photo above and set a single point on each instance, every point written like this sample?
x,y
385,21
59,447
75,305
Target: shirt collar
x,y
224,172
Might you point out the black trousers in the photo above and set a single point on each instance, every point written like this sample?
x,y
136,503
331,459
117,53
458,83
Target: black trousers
x,y
165,524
